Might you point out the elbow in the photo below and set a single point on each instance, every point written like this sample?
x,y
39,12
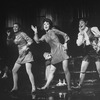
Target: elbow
x,y
36,40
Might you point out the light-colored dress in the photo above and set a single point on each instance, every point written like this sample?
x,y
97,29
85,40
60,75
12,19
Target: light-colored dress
x,y
58,52
21,39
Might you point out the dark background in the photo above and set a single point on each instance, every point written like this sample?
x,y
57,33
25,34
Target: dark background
x,y
64,14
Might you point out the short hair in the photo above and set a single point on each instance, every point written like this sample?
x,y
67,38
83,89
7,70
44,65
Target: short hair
x,y
19,25
85,20
49,21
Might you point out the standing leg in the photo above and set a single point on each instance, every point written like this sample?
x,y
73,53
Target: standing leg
x,y
67,73
50,77
84,66
31,77
98,67
5,75
47,71
15,76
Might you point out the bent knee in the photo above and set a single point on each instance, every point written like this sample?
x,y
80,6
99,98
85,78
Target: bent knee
x,y
52,69
14,71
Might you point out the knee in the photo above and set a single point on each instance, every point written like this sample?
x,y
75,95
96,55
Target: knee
x,y
28,71
66,71
53,68
52,71
14,71
98,69
83,72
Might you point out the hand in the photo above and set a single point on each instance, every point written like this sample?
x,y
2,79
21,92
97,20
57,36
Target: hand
x,y
67,39
80,29
34,29
25,48
47,55
65,46
8,33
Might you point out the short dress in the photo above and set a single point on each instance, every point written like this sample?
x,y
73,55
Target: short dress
x,y
21,39
58,52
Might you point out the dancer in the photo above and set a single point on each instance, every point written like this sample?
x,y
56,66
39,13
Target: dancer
x,y
90,38
58,50
23,42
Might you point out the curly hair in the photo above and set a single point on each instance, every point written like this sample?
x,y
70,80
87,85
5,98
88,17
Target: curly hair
x,y
49,21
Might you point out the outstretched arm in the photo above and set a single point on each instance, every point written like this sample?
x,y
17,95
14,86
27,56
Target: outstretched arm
x,y
36,38
35,34
9,38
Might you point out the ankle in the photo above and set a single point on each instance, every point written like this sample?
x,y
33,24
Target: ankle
x,y
14,89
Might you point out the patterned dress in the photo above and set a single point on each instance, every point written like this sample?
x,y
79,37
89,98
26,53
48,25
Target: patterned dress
x,y
21,39
58,52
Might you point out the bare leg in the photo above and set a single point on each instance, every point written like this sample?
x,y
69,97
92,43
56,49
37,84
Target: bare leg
x,y
50,77
47,71
15,76
98,67
5,72
31,77
67,73
83,70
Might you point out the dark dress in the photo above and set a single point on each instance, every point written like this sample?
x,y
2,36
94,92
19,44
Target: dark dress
x,y
58,52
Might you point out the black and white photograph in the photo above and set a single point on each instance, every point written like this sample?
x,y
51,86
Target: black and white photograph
x,y
50,50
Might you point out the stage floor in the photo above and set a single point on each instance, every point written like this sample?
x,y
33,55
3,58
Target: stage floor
x,y
89,91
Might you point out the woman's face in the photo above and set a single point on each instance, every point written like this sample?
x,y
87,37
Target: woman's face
x,y
82,24
15,28
46,26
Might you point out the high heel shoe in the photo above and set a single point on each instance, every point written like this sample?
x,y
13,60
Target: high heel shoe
x,y
78,88
70,91
33,92
4,75
44,88
14,92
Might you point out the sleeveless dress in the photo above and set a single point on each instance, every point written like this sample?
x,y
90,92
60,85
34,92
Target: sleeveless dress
x,y
58,52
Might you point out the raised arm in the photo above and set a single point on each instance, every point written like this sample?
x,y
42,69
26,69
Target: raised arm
x,y
80,39
36,38
10,38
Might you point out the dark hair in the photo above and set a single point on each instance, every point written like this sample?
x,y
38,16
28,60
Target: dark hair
x,y
49,21
19,25
85,20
